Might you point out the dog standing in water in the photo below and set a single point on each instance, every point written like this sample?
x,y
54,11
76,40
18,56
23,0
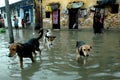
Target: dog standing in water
x,y
25,50
48,39
82,50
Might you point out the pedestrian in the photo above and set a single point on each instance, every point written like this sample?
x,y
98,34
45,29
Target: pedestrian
x,y
2,22
23,23
16,23
97,21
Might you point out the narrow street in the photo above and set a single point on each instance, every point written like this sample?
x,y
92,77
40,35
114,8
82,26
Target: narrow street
x,y
59,62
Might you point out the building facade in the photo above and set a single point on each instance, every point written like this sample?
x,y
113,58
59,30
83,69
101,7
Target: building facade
x,y
22,10
25,9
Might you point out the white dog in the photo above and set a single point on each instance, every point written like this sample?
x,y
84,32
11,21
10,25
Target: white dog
x,y
48,39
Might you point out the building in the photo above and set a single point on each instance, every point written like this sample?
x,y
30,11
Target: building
x,y
21,9
25,9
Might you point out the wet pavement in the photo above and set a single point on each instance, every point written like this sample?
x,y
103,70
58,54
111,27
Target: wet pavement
x,y
59,62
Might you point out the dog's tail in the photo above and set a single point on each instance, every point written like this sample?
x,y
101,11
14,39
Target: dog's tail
x,y
40,36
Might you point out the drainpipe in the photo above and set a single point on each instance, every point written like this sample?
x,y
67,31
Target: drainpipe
x,y
41,18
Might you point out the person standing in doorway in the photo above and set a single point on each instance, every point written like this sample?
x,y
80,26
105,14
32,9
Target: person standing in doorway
x,y
16,23
97,21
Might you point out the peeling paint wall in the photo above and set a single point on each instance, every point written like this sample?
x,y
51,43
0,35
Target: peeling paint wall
x,y
111,20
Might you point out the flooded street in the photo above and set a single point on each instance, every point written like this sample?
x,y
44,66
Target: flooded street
x,y
59,62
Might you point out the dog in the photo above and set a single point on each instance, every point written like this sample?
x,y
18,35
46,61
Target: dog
x,y
25,50
82,49
48,39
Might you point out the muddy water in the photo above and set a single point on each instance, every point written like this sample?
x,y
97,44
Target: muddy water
x,y
59,62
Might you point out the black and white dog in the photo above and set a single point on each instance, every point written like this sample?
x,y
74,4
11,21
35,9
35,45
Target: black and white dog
x,y
82,49
48,39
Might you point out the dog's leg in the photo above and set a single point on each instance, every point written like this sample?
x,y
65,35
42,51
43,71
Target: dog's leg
x,y
84,62
77,55
34,53
21,62
44,41
32,59
39,51
33,56
49,44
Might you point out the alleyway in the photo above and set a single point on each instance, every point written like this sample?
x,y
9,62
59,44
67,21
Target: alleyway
x,y
59,62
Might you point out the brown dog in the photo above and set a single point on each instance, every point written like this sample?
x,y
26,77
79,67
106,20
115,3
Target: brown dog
x,y
82,49
24,50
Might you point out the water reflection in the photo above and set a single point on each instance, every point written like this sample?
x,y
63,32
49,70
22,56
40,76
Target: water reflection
x,y
28,72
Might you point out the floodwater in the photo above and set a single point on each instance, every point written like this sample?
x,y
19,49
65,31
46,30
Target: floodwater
x,y
59,62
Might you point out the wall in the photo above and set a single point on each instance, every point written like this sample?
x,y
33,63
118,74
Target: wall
x,y
88,3
63,17
113,19
83,22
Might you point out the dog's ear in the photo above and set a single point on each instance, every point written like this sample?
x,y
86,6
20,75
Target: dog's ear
x,y
41,30
46,36
54,36
47,30
9,46
19,46
90,47
80,48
